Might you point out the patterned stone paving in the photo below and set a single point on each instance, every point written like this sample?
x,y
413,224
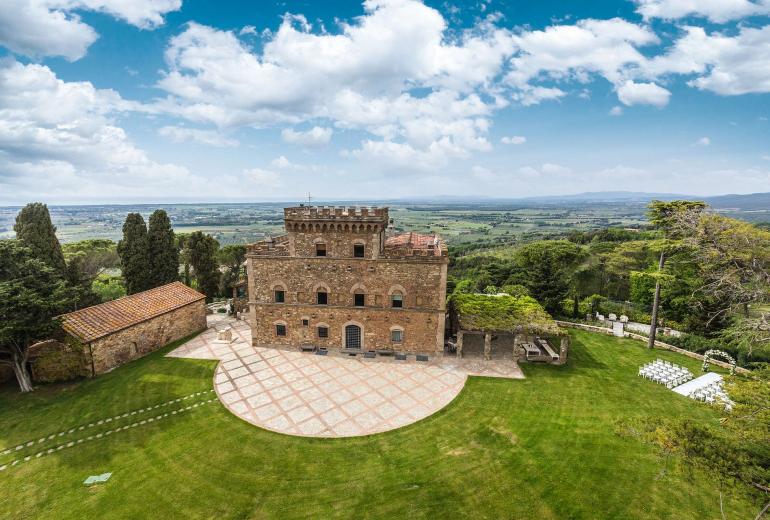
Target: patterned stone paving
x,y
328,396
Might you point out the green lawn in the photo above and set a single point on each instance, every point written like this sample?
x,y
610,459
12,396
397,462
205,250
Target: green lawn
x,y
544,447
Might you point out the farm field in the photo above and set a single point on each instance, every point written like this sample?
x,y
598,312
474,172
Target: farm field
x,y
543,447
245,223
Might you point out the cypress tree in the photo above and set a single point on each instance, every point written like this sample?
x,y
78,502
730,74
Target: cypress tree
x,y
203,259
163,252
134,260
35,230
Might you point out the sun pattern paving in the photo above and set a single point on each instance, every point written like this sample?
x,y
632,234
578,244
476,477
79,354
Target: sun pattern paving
x,y
323,396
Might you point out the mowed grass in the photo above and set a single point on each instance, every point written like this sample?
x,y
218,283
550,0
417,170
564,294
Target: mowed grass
x,y
544,447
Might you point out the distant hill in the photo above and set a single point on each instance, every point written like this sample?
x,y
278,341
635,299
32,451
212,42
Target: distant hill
x,y
610,196
750,202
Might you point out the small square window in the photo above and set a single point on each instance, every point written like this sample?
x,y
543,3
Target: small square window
x,y
280,330
320,250
396,335
359,299
322,298
323,332
358,250
397,301
305,323
280,296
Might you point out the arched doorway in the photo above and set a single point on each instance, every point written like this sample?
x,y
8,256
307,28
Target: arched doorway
x,y
352,336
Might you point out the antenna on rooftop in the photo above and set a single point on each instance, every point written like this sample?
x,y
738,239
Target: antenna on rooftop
x,y
309,198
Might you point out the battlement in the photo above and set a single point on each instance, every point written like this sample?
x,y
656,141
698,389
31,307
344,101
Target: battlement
x,y
335,214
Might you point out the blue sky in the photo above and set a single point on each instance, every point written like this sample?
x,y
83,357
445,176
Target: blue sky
x,y
190,100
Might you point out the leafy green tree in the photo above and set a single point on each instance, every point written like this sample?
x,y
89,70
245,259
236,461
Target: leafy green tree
x,y
669,217
86,260
545,268
108,288
516,290
133,251
32,293
36,231
203,260
231,257
162,249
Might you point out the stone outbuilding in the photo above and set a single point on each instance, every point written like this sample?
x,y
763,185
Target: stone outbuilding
x,y
105,336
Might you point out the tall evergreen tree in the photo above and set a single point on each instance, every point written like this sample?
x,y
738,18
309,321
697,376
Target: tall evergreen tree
x,y
203,259
134,259
35,230
31,294
162,249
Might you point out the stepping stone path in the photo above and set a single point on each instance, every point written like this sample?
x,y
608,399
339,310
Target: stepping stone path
x,y
302,394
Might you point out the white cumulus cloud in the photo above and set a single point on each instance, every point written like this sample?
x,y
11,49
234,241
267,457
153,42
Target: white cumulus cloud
x,y
180,134
631,93
316,136
515,139
718,11
62,137
39,28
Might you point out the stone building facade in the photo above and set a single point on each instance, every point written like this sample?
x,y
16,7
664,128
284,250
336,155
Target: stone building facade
x,y
338,280
105,336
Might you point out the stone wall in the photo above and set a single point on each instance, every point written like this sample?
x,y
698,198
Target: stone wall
x,y
423,284
52,361
423,331
338,244
141,339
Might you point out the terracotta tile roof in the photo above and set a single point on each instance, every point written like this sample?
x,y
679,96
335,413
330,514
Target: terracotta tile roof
x,y
411,239
404,243
100,320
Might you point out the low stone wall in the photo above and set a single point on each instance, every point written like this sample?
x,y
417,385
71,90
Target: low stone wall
x,y
658,344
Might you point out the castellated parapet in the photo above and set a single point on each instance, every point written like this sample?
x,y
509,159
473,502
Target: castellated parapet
x,y
336,280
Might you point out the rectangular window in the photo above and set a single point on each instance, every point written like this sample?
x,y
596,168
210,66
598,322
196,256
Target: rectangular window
x,y
358,251
396,335
280,330
305,323
320,250
359,299
323,332
397,301
280,296
322,298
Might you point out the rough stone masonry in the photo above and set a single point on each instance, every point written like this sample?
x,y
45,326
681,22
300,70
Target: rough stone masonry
x,y
338,279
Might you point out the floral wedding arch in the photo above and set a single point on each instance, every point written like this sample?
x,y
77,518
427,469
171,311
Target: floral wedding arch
x,y
718,353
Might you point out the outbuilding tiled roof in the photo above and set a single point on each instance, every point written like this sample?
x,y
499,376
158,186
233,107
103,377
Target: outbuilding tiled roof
x,y
101,320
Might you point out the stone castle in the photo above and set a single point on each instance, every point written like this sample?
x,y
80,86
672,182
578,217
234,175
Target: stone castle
x,y
340,280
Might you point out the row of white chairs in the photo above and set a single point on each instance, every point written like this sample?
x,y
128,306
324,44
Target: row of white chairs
x,y
665,373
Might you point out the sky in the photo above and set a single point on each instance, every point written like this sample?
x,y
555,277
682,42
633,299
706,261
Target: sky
x,y
128,101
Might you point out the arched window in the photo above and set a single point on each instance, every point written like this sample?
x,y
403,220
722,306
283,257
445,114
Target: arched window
x,y
279,292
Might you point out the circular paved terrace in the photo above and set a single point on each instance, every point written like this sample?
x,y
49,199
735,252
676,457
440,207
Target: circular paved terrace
x,y
325,396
